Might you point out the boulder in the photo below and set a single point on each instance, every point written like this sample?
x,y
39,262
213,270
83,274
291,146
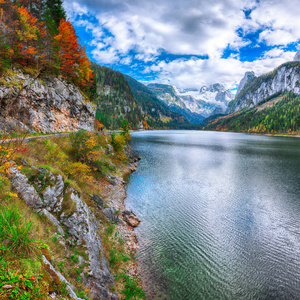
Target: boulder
x,y
43,171
24,162
130,218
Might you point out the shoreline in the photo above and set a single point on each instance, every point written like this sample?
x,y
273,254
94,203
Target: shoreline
x,y
116,195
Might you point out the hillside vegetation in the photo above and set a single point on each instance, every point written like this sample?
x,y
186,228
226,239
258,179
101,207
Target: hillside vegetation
x,y
157,113
283,116
82,163
115,100
36,37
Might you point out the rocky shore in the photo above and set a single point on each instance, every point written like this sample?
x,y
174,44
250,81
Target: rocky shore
x,y
126,220
80,223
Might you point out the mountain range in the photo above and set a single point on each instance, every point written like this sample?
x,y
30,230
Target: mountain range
x,y
268,103
194,104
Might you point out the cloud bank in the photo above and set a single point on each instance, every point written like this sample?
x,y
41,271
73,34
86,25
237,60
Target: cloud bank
x,y
188,43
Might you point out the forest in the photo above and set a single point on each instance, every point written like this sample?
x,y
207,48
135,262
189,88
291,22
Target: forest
x,y
115,100
281,117
36,37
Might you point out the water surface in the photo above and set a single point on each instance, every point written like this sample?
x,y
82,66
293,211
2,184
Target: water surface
x,y
220,215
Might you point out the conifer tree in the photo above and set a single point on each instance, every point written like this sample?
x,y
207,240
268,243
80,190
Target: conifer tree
x,y
54,12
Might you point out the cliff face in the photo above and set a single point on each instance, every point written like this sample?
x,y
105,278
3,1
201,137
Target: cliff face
x,y
245,79
283,79
47,104
79,222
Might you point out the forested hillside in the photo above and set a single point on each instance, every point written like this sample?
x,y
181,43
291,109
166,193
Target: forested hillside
x,y
158,114
279,114
284,78
115,100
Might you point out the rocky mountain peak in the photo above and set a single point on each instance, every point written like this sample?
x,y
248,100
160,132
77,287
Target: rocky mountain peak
x,y
216,87
247,76
297,56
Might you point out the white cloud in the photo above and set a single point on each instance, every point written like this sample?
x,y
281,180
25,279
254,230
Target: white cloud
x,y
281,20
195,73
276,37
128,30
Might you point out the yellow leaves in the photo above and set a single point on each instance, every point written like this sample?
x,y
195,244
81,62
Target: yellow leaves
x,y
80,171
7,155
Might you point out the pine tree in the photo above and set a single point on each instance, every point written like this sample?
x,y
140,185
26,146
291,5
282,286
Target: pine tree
x,y
54,13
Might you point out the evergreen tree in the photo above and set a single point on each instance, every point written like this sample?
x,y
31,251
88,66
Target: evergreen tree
x,y
54,13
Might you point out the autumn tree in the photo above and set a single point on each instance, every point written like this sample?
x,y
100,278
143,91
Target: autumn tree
x,y
73,58
36,7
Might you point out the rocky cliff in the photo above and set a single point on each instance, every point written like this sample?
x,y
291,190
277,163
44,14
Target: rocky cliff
x,y
45,103
74,219
283,79
245,79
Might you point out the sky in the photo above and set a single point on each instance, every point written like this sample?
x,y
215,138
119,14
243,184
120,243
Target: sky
x,y
188,43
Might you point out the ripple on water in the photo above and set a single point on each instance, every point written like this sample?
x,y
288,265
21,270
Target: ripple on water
x,y
220,215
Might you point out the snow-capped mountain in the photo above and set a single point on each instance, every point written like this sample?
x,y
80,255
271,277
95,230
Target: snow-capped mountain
x,y
194,104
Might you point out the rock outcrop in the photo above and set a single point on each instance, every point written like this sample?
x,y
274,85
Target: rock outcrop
x,y
245,79
285,78
130,218
65,209
47,104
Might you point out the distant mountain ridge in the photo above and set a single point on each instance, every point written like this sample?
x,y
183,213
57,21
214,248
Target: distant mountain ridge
x,y
269,103
158,114
195,105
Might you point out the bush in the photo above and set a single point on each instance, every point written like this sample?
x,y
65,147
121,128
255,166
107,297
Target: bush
x,y
85,146
132,289
118,142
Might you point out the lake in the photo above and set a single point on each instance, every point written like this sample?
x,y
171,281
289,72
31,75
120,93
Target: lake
x,y
220,215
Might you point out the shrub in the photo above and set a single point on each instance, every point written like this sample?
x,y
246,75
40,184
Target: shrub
x,y
118,142
132,289
85,146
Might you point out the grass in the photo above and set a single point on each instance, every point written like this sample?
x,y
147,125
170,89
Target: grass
x,y
17,233
35,234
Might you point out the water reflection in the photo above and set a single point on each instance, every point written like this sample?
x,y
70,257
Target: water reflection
x,y
220,215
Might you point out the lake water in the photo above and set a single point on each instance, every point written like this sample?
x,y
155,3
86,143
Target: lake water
x,y
220,215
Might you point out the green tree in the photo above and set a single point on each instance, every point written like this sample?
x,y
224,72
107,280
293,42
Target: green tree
x,y
54,13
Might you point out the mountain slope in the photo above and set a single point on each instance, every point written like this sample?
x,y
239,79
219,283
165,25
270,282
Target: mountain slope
x,y
278,114
158,114
194,104
285,78
167,94
115,99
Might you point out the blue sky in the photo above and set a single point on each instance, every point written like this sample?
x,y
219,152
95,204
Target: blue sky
x,y
188,43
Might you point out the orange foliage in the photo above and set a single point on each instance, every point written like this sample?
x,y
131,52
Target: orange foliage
x,y
99,125
74,61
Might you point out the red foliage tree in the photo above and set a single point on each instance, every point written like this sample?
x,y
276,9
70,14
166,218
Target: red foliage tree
x,y
73,58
